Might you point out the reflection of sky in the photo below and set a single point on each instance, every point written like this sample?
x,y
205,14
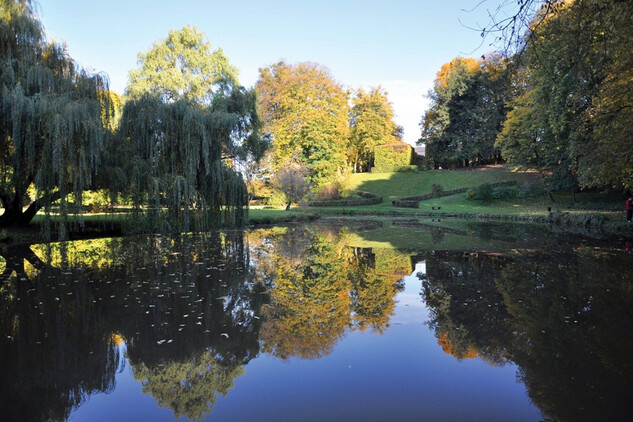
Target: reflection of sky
x,y
401,375
410,307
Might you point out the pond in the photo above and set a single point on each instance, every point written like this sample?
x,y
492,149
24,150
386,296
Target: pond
x,y
357,320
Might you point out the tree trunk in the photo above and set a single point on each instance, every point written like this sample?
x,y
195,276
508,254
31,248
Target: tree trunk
x,y
14,214
288,206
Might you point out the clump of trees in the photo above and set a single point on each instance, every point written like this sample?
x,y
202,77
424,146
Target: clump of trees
x,y
560,104
468,107
330,131
170,144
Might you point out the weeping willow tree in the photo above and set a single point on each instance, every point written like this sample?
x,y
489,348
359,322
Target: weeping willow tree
x,y
185,121
52,115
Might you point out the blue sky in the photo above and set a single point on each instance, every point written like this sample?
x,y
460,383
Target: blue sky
x,y
397,44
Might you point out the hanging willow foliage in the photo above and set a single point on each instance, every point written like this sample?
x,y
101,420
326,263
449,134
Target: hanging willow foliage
x,y
179,156
52,115
185,121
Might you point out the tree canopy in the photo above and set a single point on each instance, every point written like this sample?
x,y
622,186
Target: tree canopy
x,y
468,103
305,112
561,103
186,120
53,114
371,124
571,116
183,66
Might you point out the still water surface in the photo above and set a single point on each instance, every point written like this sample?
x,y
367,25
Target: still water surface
x,y
312,323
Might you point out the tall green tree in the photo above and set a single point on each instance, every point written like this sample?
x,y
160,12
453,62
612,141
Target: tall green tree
x,y
571,118
609,159
453,80
53,115
305,111
468,105
184,123
371,124
183,66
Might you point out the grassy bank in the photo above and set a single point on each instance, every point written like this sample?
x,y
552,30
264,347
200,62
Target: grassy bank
x,y
567,213
397,185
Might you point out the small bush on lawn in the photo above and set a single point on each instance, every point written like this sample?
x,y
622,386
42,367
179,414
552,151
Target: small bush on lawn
x,y
507,192
532,189
437,190
483,192
329,193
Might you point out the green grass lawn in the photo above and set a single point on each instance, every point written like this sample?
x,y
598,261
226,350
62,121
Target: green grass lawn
x,y
397,185
533,205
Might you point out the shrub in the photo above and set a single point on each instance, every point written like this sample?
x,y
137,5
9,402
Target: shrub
x,y
470,194
364,198
483,192
276,200
437,190
533,188
395,169
506,192
329,193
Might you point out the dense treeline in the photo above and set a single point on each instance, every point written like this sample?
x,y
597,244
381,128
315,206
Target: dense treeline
x,y
560,105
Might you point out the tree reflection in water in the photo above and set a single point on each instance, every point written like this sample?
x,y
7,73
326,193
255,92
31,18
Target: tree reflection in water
x,y
564,318
191,309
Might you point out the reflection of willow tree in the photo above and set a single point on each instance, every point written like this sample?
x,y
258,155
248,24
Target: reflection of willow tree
x,y
185,305
190,387
53,350
319,291
199,322
564,319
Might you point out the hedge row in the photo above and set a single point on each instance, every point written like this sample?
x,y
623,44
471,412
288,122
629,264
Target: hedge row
x,y
414,201
366,199
394,169
393,155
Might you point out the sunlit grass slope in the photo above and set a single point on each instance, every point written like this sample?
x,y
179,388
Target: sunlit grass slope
x,y
397,185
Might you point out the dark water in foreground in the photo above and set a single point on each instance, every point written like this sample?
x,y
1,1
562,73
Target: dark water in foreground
x,y
319,323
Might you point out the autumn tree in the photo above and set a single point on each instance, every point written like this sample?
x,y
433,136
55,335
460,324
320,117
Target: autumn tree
x,y
371,124
186,119
468,106
309,309
53,114
305,111
571,117
452,81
